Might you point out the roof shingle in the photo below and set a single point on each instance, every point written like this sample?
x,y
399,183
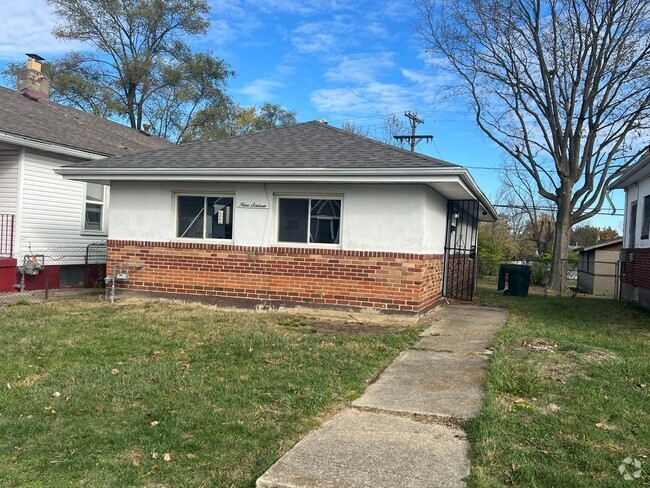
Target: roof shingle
x,y
53,123
301,146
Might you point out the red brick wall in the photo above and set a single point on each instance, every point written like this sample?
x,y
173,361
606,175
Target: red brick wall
x,y
461,276
383,280
637,272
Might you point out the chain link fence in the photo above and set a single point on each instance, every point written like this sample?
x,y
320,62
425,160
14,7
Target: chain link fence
x,y
53,274
598,278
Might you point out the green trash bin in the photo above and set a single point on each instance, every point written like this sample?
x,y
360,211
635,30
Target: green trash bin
x,y
517,277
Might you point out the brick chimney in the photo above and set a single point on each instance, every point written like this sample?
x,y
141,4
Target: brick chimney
x,y
31,81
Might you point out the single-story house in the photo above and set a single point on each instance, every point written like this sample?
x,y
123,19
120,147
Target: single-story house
x,y
303,214
598,268
635,257
41,214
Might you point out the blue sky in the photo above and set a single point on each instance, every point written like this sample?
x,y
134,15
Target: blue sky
x,y
340,60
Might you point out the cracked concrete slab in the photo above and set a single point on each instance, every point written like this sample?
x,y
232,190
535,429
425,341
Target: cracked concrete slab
x,y
429,383
364,449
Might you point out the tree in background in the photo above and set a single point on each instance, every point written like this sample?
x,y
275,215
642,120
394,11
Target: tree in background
x,y
588,235
141,67
390,126
530,215
221,121
562,86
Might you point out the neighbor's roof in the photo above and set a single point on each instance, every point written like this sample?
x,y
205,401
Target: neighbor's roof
x,y
53,124
600,245
634,174
312,152
306,145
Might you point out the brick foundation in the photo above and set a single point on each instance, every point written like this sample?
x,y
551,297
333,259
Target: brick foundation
x,y
636,275
398,282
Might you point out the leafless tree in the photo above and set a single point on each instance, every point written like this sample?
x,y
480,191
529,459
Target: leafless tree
x,y
532,212
562,86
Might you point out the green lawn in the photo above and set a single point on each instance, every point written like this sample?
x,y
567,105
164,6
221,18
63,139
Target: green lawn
x,y
166,394
568,395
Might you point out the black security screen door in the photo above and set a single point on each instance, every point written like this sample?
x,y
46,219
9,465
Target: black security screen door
x,y
460,249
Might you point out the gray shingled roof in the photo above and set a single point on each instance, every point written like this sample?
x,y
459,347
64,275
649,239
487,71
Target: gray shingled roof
x,y
53,123
300,146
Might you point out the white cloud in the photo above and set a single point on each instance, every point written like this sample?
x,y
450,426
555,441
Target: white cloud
x,y
360,68
27,27
323,37
372,98
260,90
299,7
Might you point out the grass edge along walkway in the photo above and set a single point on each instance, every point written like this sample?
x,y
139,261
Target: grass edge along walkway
x,y
567,395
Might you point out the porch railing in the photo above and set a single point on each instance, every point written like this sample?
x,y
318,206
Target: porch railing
x,y
7,226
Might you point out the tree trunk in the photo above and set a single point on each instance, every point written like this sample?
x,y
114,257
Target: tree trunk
x,y
561,241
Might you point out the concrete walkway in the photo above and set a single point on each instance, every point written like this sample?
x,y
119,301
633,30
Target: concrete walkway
x,y
403,432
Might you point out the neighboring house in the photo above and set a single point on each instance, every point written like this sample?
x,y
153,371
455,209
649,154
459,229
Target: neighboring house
x,y
40,212
598,268
635,256
306,214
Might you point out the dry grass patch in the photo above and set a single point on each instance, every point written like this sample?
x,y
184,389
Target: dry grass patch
x,y
170,394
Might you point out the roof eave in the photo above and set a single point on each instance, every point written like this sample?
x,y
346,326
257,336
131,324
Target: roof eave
x,y
455,174
635,174
23,141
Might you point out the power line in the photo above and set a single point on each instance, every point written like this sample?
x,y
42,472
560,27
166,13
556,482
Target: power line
x,y
413,139
551,209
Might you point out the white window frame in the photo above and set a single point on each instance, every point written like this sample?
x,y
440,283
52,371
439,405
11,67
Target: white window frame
x,y
103,231
307,196
176,195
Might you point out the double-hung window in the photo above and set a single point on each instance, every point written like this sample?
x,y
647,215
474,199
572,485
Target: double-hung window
x,y
94,208
309,220
204,217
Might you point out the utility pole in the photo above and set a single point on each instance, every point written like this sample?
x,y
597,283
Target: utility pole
x,y
413,139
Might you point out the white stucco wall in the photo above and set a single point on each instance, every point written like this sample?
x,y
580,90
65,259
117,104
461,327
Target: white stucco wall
x,y
636,193
397,218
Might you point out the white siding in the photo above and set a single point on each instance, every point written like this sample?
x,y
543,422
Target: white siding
x,y
636,193
397,218
52,208
8,180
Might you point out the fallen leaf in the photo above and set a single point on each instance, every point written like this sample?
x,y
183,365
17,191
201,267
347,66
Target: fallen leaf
x,y
56,394
115,371
167,457
154,423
